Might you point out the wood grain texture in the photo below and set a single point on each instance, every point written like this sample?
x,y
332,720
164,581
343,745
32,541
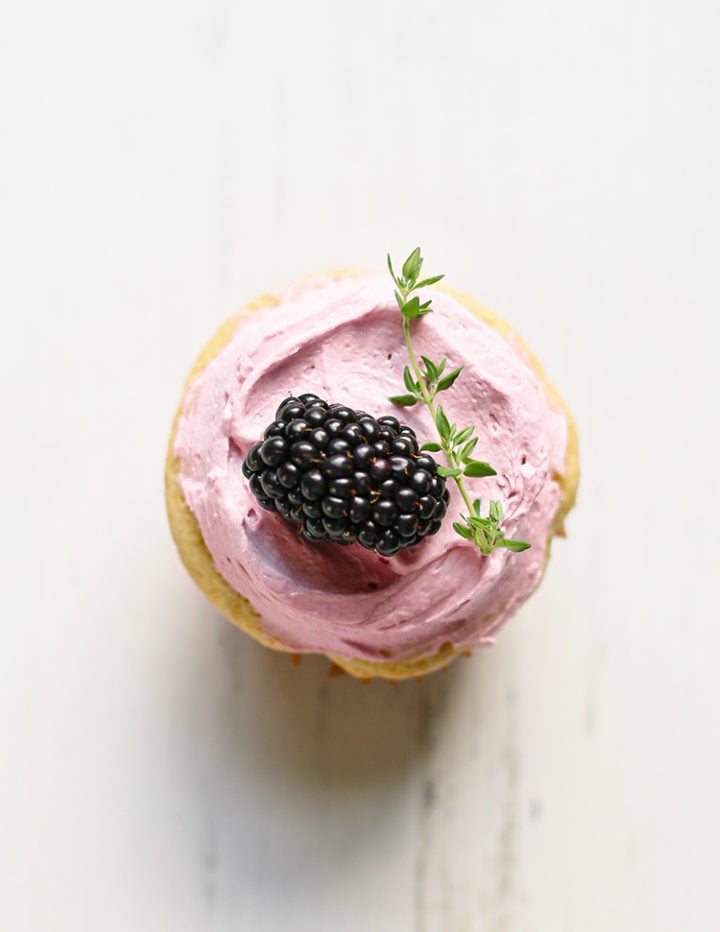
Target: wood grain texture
x,y
161,163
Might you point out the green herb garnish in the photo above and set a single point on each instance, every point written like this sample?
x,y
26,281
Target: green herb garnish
x,y
423,386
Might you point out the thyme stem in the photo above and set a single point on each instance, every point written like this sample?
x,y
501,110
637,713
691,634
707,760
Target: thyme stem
x,y
457,445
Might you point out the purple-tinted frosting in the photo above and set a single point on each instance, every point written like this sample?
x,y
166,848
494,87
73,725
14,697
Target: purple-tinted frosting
x,y
341,338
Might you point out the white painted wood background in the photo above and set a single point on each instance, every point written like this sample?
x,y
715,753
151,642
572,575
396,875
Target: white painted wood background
x,y
161,163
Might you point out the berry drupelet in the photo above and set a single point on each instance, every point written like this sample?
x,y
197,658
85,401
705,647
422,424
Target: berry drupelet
x,y
341,475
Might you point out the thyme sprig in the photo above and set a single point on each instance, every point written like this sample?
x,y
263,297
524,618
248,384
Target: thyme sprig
x,y
423,385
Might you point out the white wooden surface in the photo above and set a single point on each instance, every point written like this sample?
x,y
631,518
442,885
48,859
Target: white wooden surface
x,y
163,162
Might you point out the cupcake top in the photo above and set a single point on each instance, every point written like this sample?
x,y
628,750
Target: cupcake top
x,y
341,338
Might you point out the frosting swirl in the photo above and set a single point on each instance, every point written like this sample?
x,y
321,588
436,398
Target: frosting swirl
x,y
341,338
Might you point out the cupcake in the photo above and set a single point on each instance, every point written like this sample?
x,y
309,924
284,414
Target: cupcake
x,y
370,466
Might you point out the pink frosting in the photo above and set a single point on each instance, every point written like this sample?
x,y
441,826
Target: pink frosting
x,y
341,338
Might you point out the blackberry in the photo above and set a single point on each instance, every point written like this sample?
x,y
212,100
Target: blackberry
x,y
341,475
